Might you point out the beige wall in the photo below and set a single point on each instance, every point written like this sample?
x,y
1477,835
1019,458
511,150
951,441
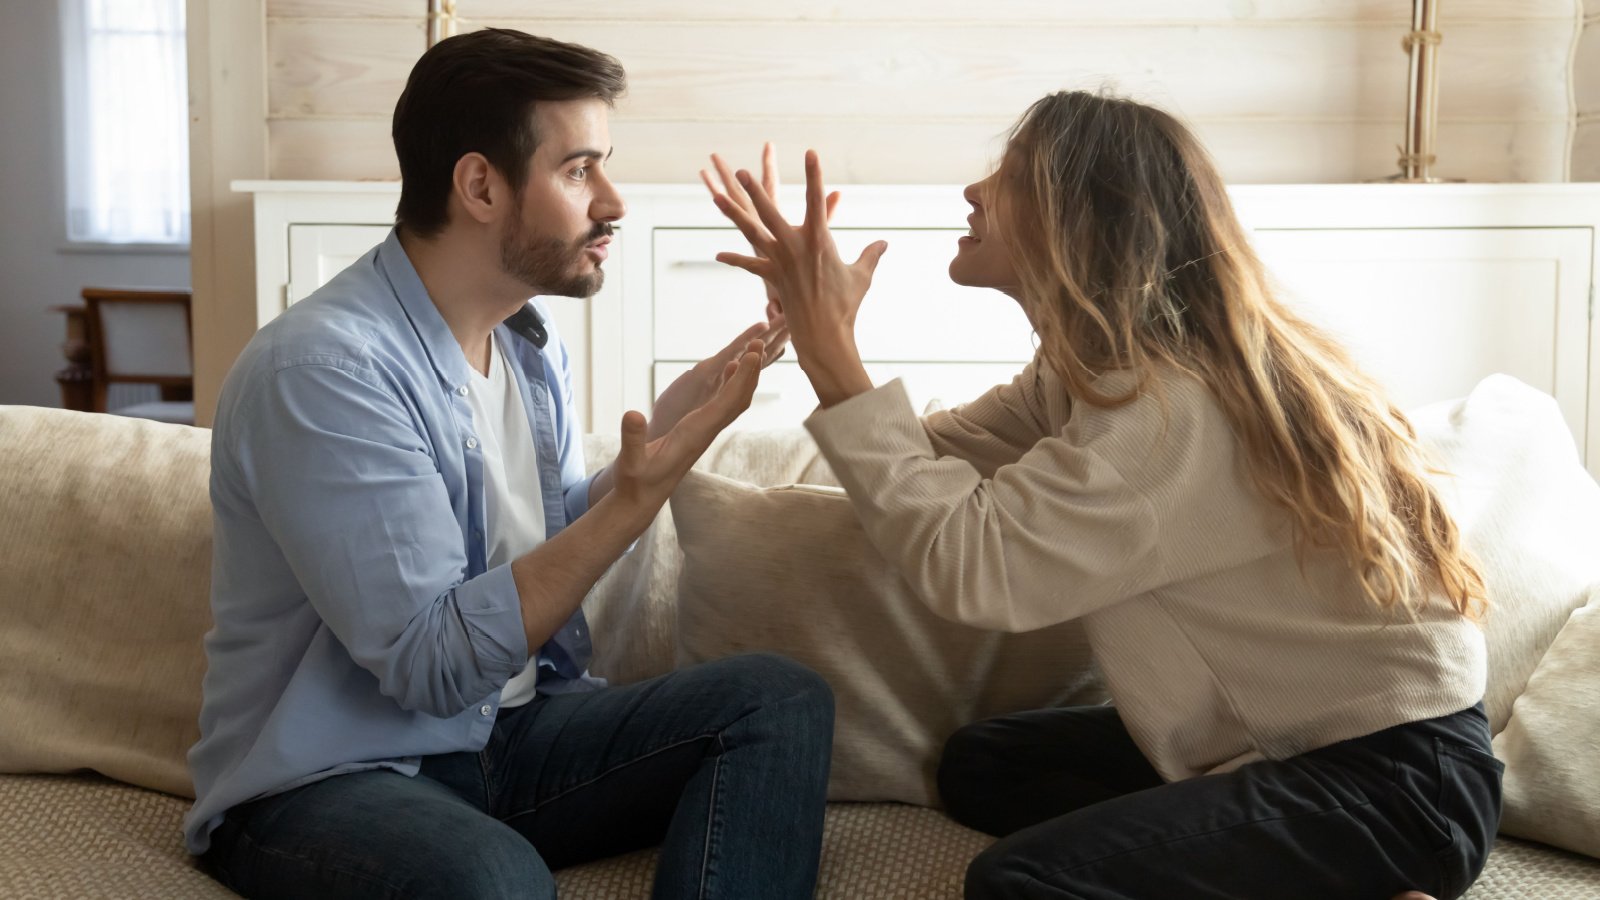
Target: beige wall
x,y
917,90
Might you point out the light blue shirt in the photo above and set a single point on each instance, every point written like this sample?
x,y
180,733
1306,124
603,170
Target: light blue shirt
x,y
357,624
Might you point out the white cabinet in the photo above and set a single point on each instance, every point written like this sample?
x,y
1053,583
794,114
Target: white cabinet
x,y
1430,312
1432,287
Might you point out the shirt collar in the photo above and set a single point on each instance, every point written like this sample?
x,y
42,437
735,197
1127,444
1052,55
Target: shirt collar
x,y
437,340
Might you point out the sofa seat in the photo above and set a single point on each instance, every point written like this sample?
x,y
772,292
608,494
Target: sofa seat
x,y
71,836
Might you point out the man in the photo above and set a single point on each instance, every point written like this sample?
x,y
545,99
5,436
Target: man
x,y
397,701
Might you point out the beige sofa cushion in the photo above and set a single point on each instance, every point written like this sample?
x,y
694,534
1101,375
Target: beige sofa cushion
x,y
1529,513
1551,746
106,526
789,569
633,610
72,837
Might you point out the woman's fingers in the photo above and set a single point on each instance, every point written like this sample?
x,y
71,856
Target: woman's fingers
x,y
870,256
705,178
766,208
769,168
816,203
734,189
760,239
755,265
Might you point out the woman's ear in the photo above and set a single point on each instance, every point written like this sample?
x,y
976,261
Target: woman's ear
x,y
476,188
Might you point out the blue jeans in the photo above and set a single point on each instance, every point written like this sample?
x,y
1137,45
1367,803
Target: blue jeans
x,y
725,765
1081,814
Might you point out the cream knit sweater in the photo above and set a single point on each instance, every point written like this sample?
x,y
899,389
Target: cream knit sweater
x,y
1017,511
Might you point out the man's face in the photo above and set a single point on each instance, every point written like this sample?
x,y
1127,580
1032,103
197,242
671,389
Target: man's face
x,y
558,239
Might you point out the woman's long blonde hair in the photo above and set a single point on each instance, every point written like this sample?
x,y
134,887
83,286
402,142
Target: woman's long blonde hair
x,y
1131,258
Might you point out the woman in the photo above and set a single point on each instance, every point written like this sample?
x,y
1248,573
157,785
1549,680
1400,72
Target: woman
x,y
1282,609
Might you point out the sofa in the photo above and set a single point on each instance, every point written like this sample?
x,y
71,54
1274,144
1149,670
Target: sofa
x,y
105,547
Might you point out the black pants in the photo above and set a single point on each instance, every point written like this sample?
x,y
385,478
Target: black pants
x,y
1081,813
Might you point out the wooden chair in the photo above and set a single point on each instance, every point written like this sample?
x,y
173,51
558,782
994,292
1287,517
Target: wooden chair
x,y
142,337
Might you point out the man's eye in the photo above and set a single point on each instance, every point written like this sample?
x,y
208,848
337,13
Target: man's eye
x,y
580,173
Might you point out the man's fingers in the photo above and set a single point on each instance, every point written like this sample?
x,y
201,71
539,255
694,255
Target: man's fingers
x,y
741,385
777,343
634,434
758,330
833,203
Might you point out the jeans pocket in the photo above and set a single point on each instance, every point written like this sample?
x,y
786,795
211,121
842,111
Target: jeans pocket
x,y
1469,800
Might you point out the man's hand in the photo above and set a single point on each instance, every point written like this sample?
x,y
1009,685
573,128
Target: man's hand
x,y
647,470
737,194
553,578
693,388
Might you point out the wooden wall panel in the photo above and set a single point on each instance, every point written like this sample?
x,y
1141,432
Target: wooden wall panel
x,y
1586,153
1586,98
227,104
749,71
963,11
914,90
1248,152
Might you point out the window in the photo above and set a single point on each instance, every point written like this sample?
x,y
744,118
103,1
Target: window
x,y
127,144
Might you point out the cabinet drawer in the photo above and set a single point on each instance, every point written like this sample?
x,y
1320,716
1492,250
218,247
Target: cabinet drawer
x,y
784,398
913,313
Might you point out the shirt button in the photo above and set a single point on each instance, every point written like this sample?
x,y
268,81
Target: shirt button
x,y
472,443
462,390
485,709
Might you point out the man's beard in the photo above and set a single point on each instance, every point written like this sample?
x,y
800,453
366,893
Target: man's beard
x,y
550,265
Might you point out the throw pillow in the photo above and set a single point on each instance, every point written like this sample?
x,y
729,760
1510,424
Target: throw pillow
x,y
106,525
1529,513
789,569
1552,788
633,610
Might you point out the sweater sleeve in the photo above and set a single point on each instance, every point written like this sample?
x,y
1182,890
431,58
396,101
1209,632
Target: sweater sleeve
x,y
993,430
1052,536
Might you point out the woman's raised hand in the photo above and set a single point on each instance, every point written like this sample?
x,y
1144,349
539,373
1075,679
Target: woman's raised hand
x,y
820,293
736,193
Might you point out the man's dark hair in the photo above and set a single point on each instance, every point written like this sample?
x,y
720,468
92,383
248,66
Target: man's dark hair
x,y
476,92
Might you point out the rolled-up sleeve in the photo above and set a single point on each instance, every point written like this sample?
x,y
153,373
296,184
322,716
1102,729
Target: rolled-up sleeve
x,y
1051,537
344,482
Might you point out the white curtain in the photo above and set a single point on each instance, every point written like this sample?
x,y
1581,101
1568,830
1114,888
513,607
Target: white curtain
x,y
127,144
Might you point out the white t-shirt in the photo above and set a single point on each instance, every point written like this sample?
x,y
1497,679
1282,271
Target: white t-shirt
x,y
514,504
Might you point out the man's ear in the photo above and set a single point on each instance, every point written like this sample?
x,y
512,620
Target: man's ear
x,y
478,189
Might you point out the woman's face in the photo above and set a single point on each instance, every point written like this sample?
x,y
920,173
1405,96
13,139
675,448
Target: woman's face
x,y
983,255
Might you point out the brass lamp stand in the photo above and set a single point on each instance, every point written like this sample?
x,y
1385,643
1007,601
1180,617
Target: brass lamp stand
x,y
441,20
1417,156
